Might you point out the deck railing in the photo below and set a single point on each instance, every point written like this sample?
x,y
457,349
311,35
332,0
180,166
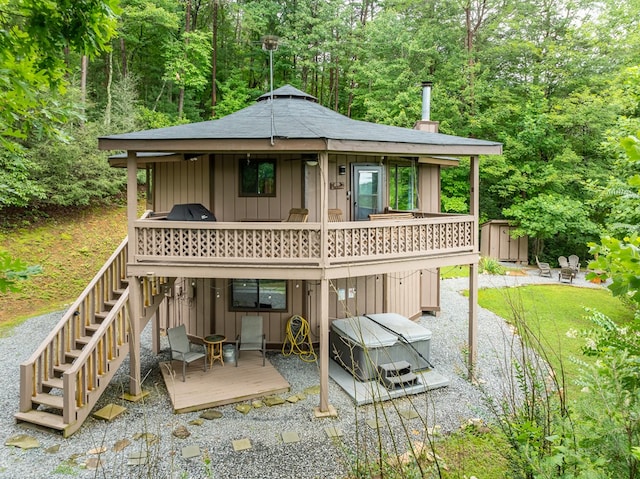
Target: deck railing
x,y
300,243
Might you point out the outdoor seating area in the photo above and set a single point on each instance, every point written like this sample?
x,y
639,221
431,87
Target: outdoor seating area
x,y
568,266
221,384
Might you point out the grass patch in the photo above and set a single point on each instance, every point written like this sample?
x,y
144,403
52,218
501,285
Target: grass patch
x,y
448,272
71,247
471,453
555,313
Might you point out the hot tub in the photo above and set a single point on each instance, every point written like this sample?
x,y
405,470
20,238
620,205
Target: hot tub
x,y
360,343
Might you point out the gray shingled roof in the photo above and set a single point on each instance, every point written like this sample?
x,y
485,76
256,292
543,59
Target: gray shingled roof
x,y
296,115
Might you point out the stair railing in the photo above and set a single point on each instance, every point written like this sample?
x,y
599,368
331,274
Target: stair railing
x,y
62,338
83,382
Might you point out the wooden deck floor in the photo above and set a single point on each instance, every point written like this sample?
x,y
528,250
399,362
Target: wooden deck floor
x,y
221,384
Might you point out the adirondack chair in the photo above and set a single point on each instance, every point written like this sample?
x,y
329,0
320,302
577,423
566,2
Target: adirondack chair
x,y
543,268
251,337
335,215
574,264
566,274
298,215
181,349
562,262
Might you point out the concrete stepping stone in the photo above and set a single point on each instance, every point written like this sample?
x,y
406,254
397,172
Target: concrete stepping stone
x,y
409,414
257,404
137,458
93,463
196,422
52,449
134,397
241,444
312,390
23,441
190,451
289,437
109,412
373,423
333,431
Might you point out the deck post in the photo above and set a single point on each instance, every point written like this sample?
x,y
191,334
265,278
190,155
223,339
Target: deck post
x,y
474,210
324,345
135,296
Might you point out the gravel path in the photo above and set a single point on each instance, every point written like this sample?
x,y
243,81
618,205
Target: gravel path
x,y
315,455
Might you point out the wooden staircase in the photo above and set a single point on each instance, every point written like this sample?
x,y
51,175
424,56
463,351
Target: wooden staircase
x,y
64,378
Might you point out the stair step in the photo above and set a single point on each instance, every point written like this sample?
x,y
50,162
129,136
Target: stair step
x,y
110,303
61,368
50,400
53,383
92,328
83,340
100,316
42,418
74,353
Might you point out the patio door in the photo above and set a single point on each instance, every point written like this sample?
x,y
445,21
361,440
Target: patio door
x,y
368,181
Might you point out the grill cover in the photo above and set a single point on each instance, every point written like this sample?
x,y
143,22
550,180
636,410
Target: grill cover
x,y
190,212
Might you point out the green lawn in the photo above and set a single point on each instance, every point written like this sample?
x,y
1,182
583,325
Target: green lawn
x,y
556,314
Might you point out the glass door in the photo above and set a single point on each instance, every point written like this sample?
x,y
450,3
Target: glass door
x,y
367,190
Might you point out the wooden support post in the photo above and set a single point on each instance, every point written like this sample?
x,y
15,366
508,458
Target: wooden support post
x,y
474,209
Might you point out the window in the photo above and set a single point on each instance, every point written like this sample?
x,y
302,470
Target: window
x,y
258,295
257,177
403,189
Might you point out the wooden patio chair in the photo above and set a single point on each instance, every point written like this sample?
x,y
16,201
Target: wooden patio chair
x,y
574,264
543,268
566,274
562,262
298,215
251,337
335,215
181,349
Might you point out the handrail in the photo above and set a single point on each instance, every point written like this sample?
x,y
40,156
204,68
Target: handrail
x,y
92,363
61,339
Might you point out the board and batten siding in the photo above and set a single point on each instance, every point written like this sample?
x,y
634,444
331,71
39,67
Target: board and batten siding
x,y
181,182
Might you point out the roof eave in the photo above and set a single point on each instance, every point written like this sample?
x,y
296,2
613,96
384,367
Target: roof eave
x,y
299,145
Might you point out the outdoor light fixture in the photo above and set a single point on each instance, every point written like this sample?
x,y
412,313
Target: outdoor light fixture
x,y
310,160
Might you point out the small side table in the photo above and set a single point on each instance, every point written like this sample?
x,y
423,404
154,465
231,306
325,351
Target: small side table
x,y
214,348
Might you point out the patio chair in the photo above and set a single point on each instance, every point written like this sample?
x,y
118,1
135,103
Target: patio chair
x,y
298,215
574,264
181,349
566,274
251,337
335,215
562,262
543,268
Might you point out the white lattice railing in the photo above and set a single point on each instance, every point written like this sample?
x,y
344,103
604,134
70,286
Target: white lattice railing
x,y
300,243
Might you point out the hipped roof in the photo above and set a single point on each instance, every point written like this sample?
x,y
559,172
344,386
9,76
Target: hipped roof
x,y
294,121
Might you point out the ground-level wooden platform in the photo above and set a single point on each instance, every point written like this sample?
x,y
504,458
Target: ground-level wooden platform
x,y
221,384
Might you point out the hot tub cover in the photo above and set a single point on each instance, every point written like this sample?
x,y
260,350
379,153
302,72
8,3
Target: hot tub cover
x,y
363,330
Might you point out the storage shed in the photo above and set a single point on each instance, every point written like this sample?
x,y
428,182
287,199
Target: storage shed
x,y
496,242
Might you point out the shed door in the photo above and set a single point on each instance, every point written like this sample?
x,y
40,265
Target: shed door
x,y
504,243
367,190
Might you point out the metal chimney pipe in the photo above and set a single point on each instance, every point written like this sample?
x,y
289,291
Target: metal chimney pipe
x,y
426,100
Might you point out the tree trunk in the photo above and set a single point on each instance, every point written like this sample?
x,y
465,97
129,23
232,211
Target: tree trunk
x,y
84,65
107,110
123,57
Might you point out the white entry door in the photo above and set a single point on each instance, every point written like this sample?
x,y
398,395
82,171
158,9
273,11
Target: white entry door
x,y
368,181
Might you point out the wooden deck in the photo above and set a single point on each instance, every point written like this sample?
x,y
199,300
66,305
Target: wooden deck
x,y
221,384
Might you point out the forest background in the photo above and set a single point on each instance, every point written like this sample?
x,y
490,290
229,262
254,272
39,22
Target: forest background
x,y
557,82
